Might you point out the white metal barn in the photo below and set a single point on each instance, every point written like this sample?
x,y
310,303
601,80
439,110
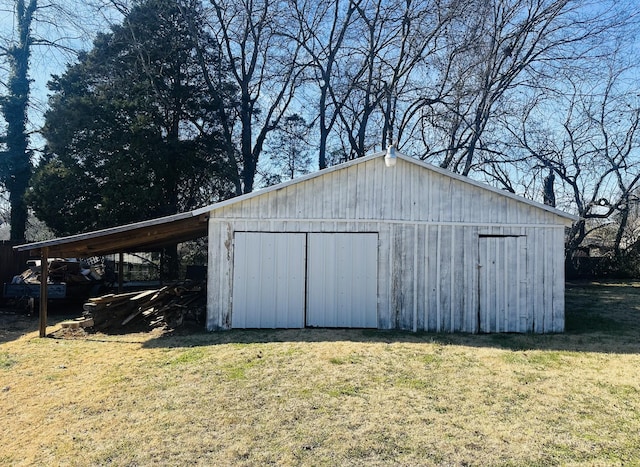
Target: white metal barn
x,y
364,245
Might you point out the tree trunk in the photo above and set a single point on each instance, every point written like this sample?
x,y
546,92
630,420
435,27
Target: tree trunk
x,y
249,169
549,194
17,168
324,131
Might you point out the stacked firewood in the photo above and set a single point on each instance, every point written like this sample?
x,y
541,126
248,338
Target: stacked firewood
x,y
168,306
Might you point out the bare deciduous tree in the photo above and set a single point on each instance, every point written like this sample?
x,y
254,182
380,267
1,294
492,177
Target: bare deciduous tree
x,y
594,152
254,39
509,46
323,28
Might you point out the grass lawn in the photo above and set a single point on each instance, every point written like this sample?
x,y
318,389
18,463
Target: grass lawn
x,y
330,397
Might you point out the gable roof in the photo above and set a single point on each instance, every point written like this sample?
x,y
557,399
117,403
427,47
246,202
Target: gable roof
x,y
411,160
159,232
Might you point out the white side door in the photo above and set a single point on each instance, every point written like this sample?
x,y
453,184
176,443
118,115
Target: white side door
x,y
502,283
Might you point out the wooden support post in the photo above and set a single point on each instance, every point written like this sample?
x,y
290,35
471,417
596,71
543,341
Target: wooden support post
x,y
44,279
120,272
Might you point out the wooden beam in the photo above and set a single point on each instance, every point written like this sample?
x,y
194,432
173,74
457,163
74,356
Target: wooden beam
x,y
120,272
139,240
141,237
44,276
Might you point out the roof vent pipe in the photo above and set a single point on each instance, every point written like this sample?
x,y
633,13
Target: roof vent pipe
x,y
390,158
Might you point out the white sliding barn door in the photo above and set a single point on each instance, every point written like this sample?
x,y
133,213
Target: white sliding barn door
x,y
502,283
342,280
268,280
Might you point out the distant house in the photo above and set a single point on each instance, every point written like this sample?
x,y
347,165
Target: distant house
x,y
366,245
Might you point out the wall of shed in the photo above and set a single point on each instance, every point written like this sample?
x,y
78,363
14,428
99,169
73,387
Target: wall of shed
x,y
427,274
428,227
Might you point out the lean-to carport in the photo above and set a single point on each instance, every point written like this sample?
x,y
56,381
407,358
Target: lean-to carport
x,y
141,236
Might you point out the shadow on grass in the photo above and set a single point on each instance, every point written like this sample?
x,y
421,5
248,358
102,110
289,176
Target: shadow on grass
x,y
14,323
600,317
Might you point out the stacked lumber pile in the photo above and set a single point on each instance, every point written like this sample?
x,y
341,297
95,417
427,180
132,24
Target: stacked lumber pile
x,y
164,307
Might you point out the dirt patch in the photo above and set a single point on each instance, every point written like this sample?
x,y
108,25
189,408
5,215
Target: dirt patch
x,y
69,333
14,321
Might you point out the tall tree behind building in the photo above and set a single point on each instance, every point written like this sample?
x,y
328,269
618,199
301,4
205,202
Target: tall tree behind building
x,y
35,35
132,129
15,160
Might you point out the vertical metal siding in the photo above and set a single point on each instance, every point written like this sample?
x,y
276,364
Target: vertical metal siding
x,y
401,277
371,191
386,317
443,301
557,251
219,276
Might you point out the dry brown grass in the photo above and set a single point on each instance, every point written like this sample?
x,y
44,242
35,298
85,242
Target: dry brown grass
x,y
330,397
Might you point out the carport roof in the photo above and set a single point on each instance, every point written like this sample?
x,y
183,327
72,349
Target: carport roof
x,y
140,236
